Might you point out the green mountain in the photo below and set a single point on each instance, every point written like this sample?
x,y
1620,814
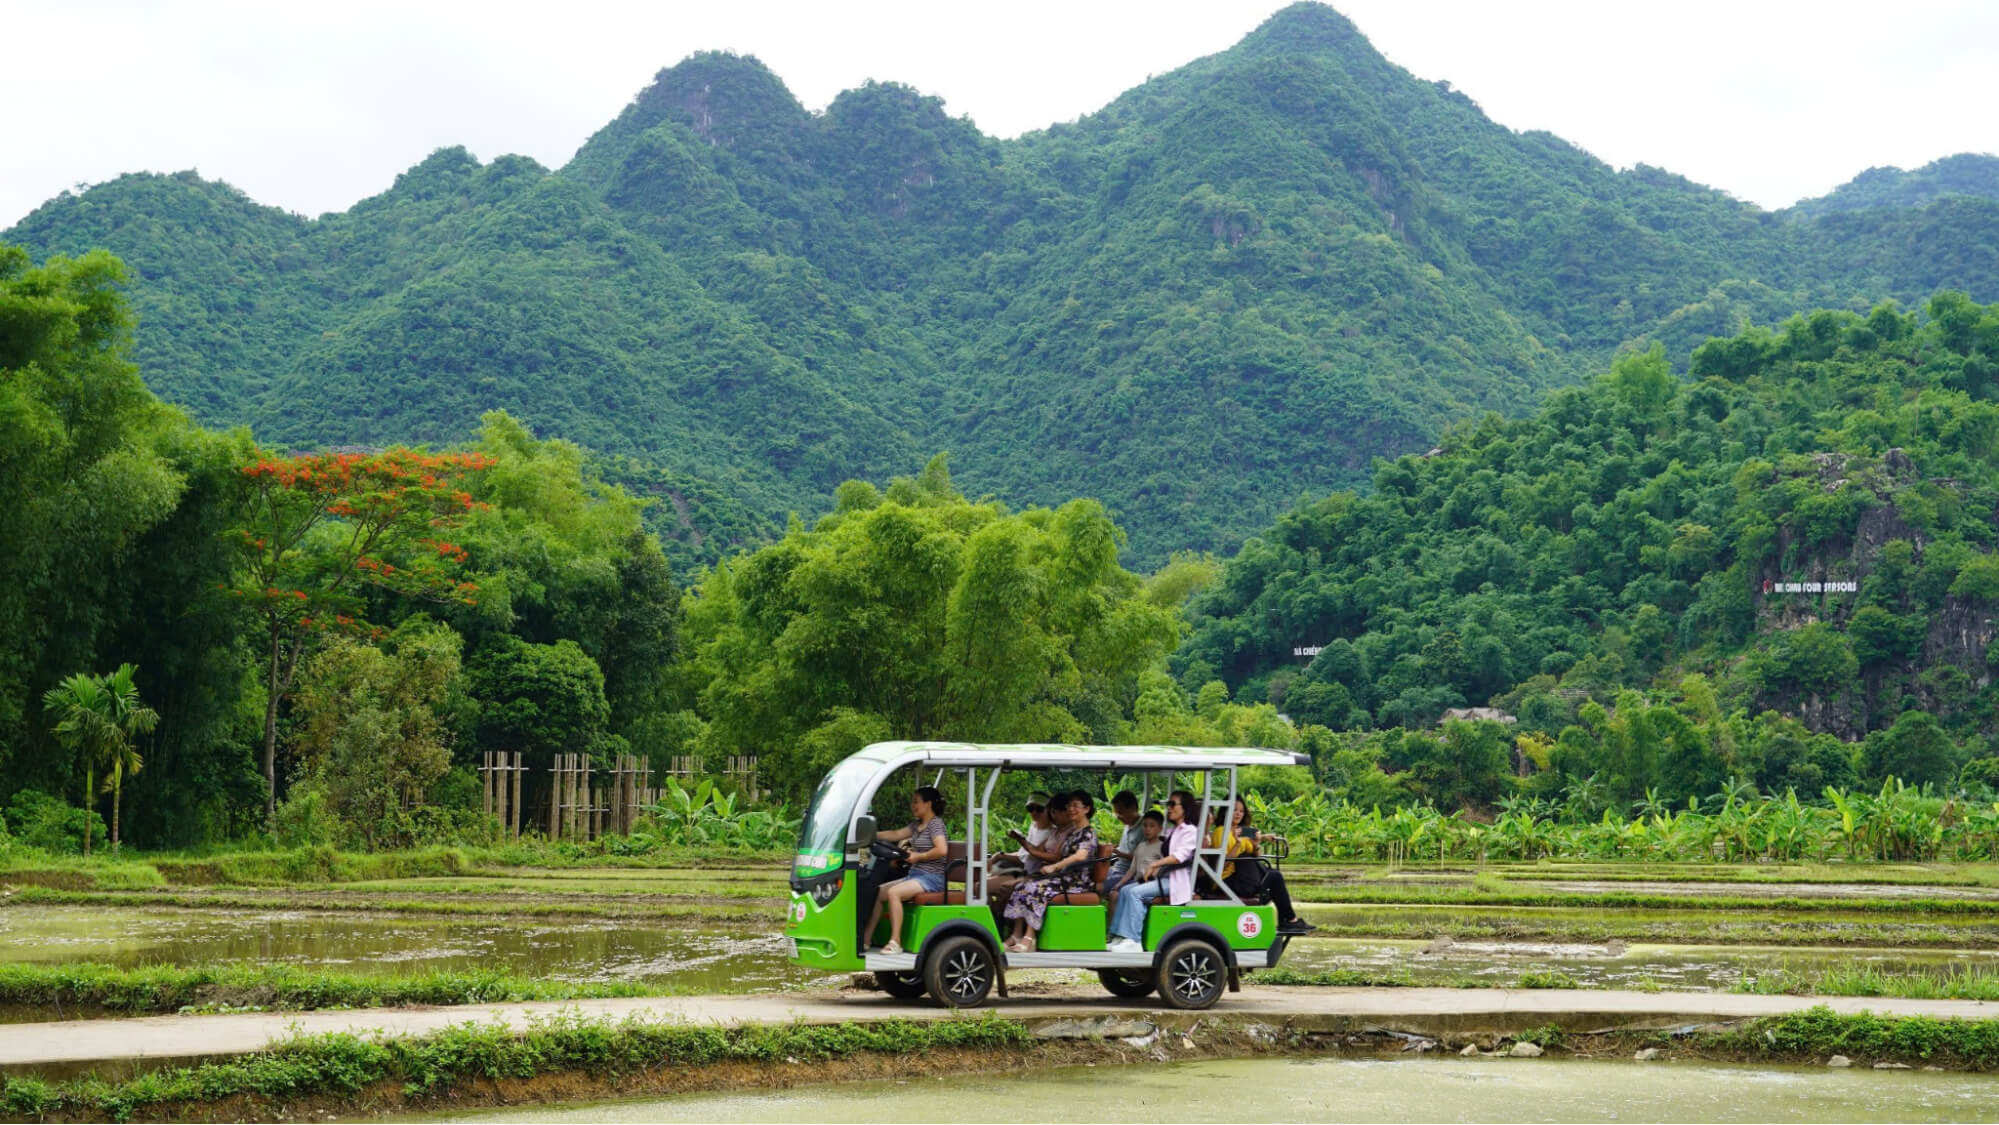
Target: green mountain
x,y
1809,521
1237,283
1966,174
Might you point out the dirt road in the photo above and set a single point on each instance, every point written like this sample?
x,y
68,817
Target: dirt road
x,y
1420,1010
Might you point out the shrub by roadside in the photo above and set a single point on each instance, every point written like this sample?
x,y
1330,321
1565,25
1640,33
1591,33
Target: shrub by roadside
x,y
173,988
344,1066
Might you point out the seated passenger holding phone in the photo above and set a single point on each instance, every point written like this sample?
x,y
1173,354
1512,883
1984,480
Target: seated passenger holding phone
x,y
928,850
1036,848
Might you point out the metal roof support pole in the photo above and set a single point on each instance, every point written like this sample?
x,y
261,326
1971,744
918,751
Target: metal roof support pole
x,y
1210,860
979,825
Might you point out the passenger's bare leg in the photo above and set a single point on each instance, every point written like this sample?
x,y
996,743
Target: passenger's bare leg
x,y
902,892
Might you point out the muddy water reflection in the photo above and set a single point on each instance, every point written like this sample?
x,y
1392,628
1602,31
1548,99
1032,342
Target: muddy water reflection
x,y
689,957
1250,1090
1609,965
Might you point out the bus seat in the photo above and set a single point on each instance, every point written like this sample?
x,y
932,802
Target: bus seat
x,y
954,871
1100,869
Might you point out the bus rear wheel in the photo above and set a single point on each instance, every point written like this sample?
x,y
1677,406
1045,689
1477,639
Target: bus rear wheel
x,y
1191,974
1132,984
902,986
960,972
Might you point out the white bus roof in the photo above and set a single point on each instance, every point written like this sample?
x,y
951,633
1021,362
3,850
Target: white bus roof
x,y
895,755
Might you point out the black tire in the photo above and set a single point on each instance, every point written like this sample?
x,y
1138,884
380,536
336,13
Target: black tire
x,y
960,972
1191,974
902,986
1132,984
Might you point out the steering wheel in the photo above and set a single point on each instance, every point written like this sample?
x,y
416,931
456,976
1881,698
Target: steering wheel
x,y
883,850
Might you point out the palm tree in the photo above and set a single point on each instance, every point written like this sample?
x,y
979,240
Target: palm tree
x,y
97,717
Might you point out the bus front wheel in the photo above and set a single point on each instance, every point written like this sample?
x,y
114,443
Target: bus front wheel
x,y
1132,984
1191,974
960,972
902,986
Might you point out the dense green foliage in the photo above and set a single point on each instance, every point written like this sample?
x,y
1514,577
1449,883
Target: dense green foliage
x,y
1241,280
1895,823
318,593
1611,570
112,509
915,613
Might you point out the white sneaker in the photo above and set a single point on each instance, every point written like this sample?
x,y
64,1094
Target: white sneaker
x,y
1124,945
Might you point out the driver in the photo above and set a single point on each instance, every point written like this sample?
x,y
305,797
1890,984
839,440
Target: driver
x,y
928,850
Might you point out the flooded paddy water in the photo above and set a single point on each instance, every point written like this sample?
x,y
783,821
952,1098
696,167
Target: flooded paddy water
x,y
686,958
1253,1090
1696,926
691,930
1692,968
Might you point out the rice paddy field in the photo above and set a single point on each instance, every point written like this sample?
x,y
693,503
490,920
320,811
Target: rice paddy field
x,y
713,927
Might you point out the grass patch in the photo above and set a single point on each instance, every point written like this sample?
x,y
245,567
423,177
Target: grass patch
x,y
1597,927
1338,978
74,873
1821,1032
1488,890
441,906
431,1066
318,866
313,865
1360,978
176,988
1971,982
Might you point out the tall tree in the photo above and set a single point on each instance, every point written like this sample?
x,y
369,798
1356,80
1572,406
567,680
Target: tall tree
x,y
919,614
80,482
98,717
370,736
321,527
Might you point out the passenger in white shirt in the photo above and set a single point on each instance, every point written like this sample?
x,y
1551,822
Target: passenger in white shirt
x,y
1036,848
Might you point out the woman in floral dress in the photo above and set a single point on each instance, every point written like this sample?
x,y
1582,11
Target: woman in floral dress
x,y
1029,905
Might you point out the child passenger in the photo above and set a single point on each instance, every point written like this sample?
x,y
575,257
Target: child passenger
x,y
1150,846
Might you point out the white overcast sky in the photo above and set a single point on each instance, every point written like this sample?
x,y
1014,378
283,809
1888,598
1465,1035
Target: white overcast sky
x,y
312,107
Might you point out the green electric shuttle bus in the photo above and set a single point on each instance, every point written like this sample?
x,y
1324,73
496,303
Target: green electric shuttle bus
x,y
952,940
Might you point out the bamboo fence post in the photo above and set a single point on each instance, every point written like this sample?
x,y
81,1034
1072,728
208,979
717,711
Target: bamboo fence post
x,y
554,794
562,799
514,807
611,825
621,784
575,800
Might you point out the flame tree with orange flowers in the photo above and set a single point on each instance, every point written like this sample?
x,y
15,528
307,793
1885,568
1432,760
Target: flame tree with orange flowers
x,y
322,527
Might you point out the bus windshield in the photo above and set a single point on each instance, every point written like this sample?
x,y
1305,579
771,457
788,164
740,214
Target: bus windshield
x,y
822,842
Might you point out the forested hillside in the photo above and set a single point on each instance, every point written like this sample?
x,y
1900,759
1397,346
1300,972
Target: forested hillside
x,y
1805,525
1236,283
